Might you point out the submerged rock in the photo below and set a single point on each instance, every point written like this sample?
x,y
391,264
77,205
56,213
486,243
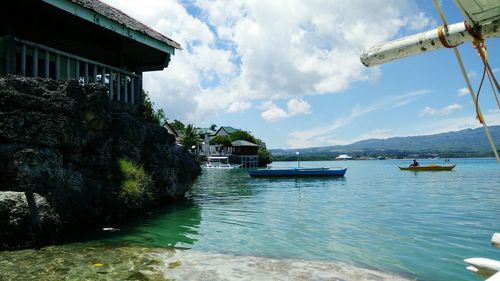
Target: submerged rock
x,y
61,145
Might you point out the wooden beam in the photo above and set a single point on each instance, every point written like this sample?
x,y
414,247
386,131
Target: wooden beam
x,y
111,25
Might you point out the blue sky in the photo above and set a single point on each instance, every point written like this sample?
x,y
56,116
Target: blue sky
x,y
289,71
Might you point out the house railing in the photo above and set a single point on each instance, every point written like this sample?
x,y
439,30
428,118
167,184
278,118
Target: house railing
x,y
35,60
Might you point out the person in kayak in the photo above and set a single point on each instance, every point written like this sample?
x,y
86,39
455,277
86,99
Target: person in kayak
x,y
414,164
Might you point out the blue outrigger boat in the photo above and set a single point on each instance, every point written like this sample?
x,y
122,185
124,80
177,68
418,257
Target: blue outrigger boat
x,y
297,172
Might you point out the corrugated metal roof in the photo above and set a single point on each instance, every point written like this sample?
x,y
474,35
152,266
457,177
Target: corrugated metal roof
x,y
204,131
242,143
124,19
228,129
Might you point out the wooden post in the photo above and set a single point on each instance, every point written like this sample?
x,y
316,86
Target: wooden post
x,y
94,74
77,70
111,84
103,75
125,89
132,90
35,62
9,63
118,86
58,67
68,68
23,60
47,65
139,90
86,73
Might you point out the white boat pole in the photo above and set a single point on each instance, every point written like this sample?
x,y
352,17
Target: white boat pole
x,y
495,240
438,38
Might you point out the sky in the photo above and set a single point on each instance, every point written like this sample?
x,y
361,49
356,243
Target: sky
x,y
289,71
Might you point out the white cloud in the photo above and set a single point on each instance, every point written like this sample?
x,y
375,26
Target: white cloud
x,y
471,74
271,112
298,107
443,125
429,111
420,21
238,106
462,92
238,52
324,135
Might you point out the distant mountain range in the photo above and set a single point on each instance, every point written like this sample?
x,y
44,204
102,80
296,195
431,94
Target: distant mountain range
x,y
464,143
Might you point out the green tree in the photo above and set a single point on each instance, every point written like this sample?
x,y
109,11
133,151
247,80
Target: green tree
x,y
149,113
178,126
265,156
160,116
242,135
189,137
221,140
213,127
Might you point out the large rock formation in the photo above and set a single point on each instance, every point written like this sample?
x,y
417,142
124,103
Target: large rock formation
x,y
68,162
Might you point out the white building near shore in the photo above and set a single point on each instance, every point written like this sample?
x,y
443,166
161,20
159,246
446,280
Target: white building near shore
x,y
343,157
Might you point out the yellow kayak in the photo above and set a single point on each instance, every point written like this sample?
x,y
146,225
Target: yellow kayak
x,y
432,167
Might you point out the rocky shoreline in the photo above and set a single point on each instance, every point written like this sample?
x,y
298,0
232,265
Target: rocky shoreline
x,y
69,163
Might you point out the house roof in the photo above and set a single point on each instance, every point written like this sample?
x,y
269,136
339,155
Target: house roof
x,y
115,15
119,16
170,129
242,143
228,129
204,131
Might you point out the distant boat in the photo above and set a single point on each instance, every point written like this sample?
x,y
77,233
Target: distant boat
x,y
431,167
343,157
219,162
297,172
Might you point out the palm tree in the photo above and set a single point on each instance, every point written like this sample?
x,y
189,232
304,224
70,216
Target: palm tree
x,y
189,138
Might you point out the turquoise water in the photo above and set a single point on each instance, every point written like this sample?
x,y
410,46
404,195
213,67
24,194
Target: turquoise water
x,y
420,225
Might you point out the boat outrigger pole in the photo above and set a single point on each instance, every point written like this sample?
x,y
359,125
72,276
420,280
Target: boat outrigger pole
x,y
442,37
483,21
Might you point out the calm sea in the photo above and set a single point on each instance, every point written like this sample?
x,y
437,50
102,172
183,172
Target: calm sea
x,y
416,225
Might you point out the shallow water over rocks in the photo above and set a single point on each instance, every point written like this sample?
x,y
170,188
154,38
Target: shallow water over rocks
x,y
84,261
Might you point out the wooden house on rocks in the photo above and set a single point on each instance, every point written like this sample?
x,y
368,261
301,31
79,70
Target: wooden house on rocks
x,y
85,40
240,152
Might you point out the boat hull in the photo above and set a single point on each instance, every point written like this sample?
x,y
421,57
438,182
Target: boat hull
x,y
297,172
428,168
